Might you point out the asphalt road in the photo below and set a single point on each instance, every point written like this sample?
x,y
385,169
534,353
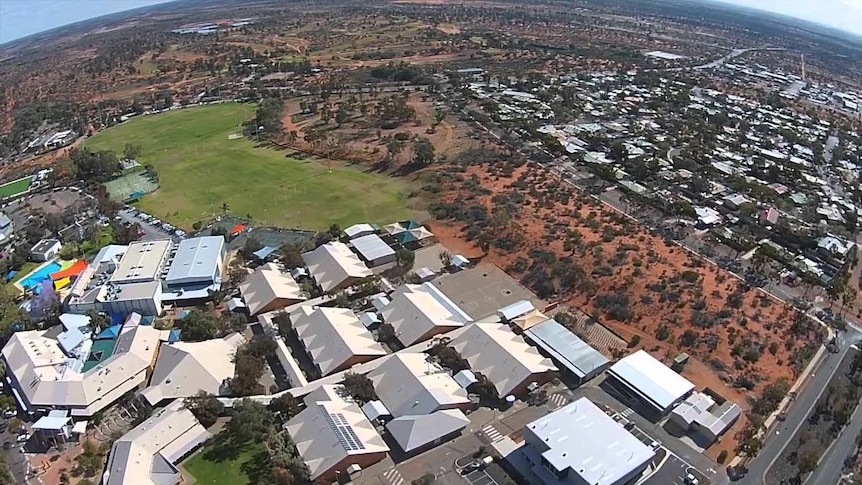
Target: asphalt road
x,y
832,462
780,435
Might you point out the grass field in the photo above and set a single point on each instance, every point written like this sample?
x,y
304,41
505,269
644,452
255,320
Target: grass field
x,y
222,464
15,187
200,170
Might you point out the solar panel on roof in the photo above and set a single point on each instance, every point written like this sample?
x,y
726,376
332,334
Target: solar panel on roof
x,y
343,430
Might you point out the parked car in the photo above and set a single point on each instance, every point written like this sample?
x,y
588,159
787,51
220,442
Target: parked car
x,y
23,438
10,414
691,479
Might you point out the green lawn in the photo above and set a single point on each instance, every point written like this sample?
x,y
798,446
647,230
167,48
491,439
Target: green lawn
x,y
25,270
16,187
200,169
222,463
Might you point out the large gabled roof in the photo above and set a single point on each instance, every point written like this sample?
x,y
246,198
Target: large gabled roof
x,y
412,432
146,455
333,336
334,263
329,431
184,368
417,310
494,351
267,284
410,383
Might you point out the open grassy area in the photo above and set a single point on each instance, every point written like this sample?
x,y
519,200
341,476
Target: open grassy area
x,y
25,270
15,187
222,463
200,169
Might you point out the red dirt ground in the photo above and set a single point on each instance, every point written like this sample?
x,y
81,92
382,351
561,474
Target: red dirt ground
x,y
756,320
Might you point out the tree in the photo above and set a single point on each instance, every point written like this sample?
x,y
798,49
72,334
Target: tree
x,y
198,326
291,255
7,403
405,258
131,151
359,387
282,322
286,405
250,421
98,321
89,462
251,246
423,152
205,407
386,332
249,364
808,463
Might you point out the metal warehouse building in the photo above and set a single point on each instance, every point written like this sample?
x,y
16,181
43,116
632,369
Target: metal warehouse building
x,y
566,349
642,376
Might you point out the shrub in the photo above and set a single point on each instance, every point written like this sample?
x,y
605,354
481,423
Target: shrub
x,y
663,333
634,341
722,457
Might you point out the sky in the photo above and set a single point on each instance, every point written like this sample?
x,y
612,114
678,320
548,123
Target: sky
x,y
20,18
842,14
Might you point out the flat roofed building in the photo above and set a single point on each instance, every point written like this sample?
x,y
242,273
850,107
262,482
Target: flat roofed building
x,y
142,261
334,338
494,351
567,350
43,377
373,250
332,434
184,368
334,266
45,250
412,383
269,289
419,312
654,383
144,298
359,230
149,453
580,444
198,261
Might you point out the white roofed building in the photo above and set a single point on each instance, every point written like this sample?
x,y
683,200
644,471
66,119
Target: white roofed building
x,y
184,368
334,266
644,377
44,377
198,262
494,351
142,261
373,250
334,338
580,444
332,434
705,418
149,453
269,289
419,312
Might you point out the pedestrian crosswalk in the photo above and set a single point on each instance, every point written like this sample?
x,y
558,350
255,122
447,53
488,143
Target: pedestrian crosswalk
x,y
558,400
627,412
393,476
492,434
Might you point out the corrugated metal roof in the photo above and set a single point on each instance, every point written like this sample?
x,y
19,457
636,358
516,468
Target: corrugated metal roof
x,y
566,348
196,258
371,247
